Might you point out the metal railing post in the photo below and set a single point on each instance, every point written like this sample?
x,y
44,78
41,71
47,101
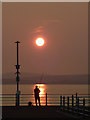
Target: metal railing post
x,y
46,99
83,104
61,100
68,103
76,99
78,102
72,101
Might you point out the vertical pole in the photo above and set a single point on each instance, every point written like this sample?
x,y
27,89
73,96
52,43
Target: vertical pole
x,y
83,104
17,69
61,100
17,99
72,101
76,99
68,103
17,77
78,102
46,99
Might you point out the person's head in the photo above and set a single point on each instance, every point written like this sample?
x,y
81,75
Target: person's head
x,y
36,86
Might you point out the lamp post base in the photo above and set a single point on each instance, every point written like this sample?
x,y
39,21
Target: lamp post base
x,y
17,99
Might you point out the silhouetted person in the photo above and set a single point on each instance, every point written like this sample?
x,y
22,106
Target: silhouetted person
x,y
36,92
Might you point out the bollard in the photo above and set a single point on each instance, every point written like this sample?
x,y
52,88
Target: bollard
x,y
29,104
61,101
67,103
46,99
64,102
72,101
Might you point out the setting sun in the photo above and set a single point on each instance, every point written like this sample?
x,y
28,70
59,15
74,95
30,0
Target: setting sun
x,y
39,41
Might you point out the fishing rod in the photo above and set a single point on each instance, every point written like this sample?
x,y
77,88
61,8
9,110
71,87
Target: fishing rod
x,y
41,79
42,76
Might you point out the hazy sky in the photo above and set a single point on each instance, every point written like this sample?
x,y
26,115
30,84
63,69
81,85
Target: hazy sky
x,y
64,27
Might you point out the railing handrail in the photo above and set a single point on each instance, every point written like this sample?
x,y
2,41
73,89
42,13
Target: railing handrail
x,y
44,94
60,99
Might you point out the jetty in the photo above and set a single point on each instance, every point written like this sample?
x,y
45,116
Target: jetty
x,y
66,106
26,112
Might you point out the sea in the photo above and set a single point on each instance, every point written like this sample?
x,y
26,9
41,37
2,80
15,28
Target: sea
x,y
54,91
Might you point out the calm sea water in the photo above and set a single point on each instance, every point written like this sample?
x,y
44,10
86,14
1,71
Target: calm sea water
x,y
44,88
49,88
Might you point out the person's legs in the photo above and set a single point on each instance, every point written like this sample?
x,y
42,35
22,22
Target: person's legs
x,y
39,100
36,101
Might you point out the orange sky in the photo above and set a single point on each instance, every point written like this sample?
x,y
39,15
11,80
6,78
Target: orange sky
x,y
64,27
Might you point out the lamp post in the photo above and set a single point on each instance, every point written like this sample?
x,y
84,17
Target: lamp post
x,y
17,77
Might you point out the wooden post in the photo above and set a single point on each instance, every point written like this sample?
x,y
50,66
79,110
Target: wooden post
x,y
76,99
61,100
83,104
68,103
72,101
46,99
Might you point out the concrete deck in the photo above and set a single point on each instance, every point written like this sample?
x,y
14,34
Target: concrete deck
x,y
26,112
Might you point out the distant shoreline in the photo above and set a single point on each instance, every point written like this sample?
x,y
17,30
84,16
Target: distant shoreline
x,y
47,79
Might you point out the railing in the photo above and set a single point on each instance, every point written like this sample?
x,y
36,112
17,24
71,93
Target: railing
x,y
77,104
48,99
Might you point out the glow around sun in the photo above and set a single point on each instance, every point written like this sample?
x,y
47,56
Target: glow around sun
x,y
40,41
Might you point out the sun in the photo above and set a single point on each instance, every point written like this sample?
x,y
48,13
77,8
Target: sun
x,y
40,41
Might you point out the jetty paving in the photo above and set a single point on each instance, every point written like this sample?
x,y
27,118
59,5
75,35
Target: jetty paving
x,y
27,112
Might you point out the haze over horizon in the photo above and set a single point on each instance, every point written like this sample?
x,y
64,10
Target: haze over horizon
x,y
44,78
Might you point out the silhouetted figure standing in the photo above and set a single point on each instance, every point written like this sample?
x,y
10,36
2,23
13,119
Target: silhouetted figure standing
x,y
37,91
